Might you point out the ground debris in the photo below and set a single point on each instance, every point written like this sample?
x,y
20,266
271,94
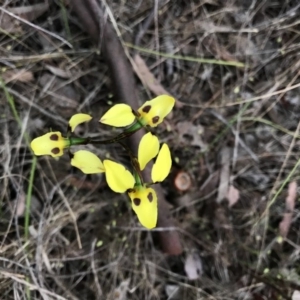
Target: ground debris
x,y
29,13
193,266
147,77
290,200
230,137
120,293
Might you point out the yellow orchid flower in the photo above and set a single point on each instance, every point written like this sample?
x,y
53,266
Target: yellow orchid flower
x,y
121,180
148,149
154,111
151,113
119,115
162,165
118,178
53,143
78,119
87,162
144,203
143,198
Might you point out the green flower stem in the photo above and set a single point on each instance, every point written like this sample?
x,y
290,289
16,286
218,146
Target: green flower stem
x,y
78,141
135,164
117,139
138,178
72,141
128,132
135,127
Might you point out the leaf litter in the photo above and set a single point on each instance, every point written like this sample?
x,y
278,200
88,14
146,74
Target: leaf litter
x,y
41,73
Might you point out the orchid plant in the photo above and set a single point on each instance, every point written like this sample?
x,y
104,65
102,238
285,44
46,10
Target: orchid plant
x,y
143,197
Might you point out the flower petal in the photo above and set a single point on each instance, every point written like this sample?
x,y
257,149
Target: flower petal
x,y
87,162
144,204
119,115
118,178
51,143
154,111
162,166
148,149
78,119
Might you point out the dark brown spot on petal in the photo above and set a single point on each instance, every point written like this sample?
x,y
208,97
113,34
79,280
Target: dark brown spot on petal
x,y
54,137
146,109
155,119
150,197
137,201
55,150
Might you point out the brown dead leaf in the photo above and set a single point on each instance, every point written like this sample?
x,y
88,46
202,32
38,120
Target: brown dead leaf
x,y
148,79
9,24
285,224
31,12
233,195
21,75
28,13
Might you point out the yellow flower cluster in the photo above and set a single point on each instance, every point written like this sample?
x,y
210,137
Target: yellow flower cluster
x,y
119,179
